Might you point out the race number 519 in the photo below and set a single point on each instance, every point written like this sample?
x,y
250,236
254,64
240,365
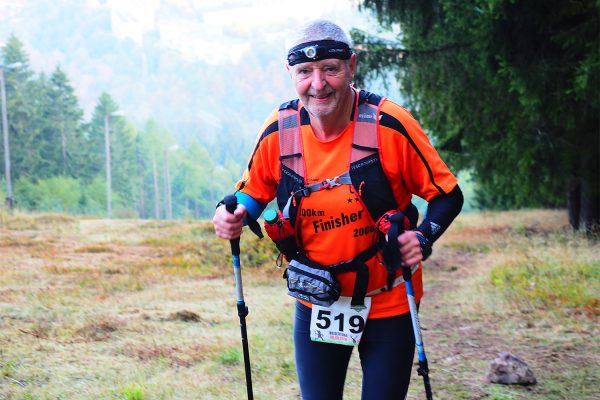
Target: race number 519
x,y
339,323
356,322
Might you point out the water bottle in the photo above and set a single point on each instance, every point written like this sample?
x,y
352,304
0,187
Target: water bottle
x,y
281,231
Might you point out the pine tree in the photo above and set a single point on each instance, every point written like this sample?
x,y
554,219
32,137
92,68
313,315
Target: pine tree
x,y
508,89
63,140
24,96
122,151
154,142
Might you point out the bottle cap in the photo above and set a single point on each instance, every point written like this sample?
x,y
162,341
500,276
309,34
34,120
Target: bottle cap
x,y
270,216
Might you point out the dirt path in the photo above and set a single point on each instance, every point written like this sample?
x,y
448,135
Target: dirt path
x,y
464,328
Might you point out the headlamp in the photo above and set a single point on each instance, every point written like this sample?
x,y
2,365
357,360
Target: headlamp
x,y
311,52
318,50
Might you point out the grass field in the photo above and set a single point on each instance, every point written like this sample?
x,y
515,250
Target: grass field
x,y
144,310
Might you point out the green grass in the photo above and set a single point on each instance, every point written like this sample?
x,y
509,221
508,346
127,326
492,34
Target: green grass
x,y
133,393
231,356
551,282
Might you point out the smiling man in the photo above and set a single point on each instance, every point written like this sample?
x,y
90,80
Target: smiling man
x,y
324,86
342,163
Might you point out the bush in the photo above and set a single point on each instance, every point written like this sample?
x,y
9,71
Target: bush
x,y
26,196
92,199
56,194
59,194
68,195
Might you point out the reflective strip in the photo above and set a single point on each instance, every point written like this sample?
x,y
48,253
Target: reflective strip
x,y
288,121
290,142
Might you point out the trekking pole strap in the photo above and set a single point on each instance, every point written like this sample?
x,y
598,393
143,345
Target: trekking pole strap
x,y
392,258
397,281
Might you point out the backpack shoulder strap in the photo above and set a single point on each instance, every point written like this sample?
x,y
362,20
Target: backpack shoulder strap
x,y
366,137
290,140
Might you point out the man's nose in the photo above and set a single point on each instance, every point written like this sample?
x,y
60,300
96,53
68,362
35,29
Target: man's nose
x,y
318,79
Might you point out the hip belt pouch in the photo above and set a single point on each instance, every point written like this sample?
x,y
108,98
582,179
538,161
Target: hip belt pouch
x,y
311,282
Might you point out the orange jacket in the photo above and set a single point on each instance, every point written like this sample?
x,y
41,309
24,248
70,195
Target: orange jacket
x,y
332,224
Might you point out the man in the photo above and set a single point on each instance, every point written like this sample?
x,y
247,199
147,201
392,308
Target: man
x,y
340,162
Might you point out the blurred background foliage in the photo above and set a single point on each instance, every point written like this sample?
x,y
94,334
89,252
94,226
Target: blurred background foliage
x,y
508,92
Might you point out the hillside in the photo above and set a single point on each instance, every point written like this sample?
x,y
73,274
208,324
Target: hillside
x,y
201,69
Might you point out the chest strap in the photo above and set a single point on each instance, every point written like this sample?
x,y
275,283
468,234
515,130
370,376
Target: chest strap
x,y
305,191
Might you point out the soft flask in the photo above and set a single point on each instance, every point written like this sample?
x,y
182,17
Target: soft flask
x,y
281,231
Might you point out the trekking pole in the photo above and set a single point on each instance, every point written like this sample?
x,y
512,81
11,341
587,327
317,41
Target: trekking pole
x,y
230,205
414,315
396,229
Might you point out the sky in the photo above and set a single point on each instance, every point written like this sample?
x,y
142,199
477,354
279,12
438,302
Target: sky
x,y
195,27
209,31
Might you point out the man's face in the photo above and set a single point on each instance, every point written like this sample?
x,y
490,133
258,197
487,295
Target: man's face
x,y
323,86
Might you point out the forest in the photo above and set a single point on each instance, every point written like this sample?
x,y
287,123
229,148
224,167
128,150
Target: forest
x,y
508,92
58,160
508,89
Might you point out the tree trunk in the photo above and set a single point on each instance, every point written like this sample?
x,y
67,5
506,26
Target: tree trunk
x,y
583,204
574,203
63,146
590,208
142,198
156,191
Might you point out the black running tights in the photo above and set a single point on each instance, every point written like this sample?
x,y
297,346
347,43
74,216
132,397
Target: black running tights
x,y
386,353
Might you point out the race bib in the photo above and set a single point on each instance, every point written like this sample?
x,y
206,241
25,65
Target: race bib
x,y
339,323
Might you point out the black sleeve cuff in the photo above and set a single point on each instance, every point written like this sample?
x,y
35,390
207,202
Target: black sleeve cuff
x,y
441,211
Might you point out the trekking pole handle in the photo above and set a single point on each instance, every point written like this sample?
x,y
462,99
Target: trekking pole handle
x,y
397,228
231,203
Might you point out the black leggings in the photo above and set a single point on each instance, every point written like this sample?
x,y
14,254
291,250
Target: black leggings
x,y
386,354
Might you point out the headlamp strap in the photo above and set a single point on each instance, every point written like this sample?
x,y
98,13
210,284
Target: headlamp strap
x,y
318,50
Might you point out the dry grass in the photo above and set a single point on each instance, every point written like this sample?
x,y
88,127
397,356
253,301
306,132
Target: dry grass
x,y
471,316
128,309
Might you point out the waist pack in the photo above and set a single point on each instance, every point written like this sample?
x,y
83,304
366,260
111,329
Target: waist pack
x,y
317,284
311,282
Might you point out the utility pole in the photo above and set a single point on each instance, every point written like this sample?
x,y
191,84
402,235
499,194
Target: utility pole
x,y
156,191
168,195
9,193
108,171
107,159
